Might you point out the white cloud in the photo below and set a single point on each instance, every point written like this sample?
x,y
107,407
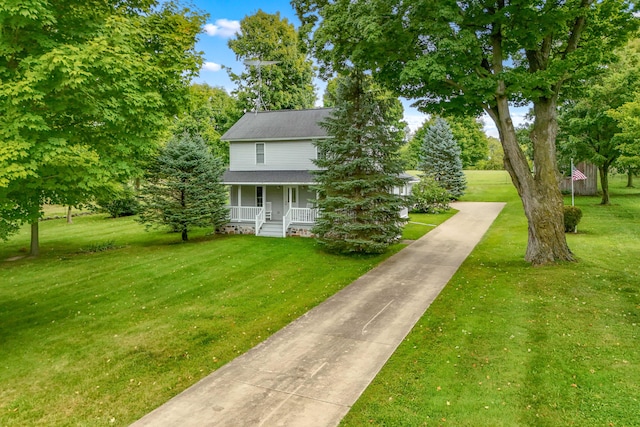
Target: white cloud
x,y
223,28
211,66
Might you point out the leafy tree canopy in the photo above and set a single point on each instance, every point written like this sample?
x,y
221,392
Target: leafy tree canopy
x,y
210,112
588,125
466,57
285,85
86,90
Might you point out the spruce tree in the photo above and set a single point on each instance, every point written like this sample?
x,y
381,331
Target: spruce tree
x,y
359,167
183,188
440,159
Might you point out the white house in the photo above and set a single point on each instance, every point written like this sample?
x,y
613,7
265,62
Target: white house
x,y
270,172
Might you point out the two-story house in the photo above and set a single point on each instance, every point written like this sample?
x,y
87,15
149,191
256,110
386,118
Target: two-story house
x,y
270,172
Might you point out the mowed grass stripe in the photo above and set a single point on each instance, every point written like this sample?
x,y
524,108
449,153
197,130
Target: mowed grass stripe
x,y
103,338
506,344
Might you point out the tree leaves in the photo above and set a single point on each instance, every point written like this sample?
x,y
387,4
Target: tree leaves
x,y
86,91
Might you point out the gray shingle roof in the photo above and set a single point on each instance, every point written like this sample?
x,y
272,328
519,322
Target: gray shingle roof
x,y
283,124
268,177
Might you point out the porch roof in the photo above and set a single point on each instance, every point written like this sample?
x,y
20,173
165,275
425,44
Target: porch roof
x,y
304,177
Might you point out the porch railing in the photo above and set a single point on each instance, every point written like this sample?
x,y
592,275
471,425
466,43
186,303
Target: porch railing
x,y
243,213
286,222
260,218
303,215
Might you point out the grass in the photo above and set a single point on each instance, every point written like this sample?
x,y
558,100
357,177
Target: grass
x,y
506,344
112,321
420,224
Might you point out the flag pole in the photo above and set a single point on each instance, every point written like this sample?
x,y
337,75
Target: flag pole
x,y
572,198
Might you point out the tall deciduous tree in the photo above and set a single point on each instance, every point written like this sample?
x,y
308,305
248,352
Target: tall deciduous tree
x,y
483,55
440,159
183,188
285,85
210,112
628,140
588,130
86,88
359,169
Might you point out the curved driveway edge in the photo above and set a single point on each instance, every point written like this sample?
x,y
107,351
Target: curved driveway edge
x,y
312,371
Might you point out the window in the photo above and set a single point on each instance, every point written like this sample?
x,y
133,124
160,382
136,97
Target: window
x,y
259,196
260,153
321,154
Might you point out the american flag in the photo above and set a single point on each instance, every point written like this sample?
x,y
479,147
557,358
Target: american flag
x,y
577,175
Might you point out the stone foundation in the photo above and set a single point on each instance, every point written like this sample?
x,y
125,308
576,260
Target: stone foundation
x,y
299,231
236,229
243,228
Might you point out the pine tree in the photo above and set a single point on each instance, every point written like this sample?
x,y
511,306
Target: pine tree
x,y
183,188
359,167
440,159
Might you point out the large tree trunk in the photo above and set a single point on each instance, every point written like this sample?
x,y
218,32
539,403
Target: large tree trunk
x,y
630,179
35,239
69,216
539,192
604,183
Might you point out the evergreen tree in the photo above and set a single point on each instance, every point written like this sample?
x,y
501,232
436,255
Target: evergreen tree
x,y
360,166
183,188
440,158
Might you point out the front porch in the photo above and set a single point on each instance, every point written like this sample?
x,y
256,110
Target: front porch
x,y
271,209
259,220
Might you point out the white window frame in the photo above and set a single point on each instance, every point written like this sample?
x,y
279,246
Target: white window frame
x,y
264,153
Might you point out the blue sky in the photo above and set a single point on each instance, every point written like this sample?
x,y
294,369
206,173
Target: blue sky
x,y
224,21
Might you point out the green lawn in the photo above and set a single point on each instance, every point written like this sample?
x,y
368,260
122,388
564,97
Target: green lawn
x,y
101,338
506,344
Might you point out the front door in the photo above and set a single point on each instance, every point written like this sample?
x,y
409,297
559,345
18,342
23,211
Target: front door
x,y
290,198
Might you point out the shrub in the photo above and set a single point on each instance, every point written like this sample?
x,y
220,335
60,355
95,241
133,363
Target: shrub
x,y
100,247
572,216
428,197
124,203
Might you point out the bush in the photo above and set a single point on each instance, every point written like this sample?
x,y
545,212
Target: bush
x,y
428,197
572,216
124,203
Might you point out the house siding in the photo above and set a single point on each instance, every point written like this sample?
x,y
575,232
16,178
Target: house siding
x,y
285,155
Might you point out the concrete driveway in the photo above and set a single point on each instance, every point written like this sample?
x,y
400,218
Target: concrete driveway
x,y
313,370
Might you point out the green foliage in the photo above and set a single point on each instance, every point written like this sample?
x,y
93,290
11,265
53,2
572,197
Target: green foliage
x,y
210,113
468,134
440,159
100,247
589,125
627,116
86,90
469,57
429,197
122,203
359,171
572,217
285,85
495,158
183,188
